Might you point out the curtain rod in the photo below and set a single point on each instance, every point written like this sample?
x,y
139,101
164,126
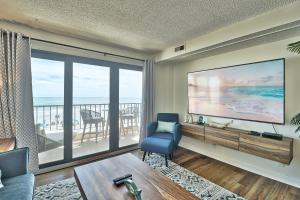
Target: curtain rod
x,y
81,48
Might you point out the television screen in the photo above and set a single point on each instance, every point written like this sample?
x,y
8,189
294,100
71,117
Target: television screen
x,y
252,92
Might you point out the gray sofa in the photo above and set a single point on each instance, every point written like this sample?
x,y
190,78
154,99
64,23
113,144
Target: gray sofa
x,y
18,182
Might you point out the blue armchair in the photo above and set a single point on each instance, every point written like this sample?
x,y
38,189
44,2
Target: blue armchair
x,y
18,182
166,117
162,142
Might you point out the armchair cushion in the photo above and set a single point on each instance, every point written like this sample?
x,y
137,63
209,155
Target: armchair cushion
x,y
14,163
165,126
157,145
163,135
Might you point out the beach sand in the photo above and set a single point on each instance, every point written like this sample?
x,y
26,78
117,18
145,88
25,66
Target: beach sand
x,y
218,109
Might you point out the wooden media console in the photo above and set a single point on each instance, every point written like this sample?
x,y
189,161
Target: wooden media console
x,y
241,140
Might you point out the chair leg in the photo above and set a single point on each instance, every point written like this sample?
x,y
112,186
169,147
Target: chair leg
x,y
166,159
84,126
131,123
103,131
96,132
122,127
144,155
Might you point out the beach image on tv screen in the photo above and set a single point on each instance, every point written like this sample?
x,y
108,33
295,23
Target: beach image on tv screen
x,y
250,92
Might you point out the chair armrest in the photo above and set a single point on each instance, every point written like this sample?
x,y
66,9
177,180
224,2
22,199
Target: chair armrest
x,y
14,163
151,128
177,133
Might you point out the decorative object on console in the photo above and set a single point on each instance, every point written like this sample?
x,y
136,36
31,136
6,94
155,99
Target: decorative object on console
x,y
219,125
200,120
191,120
186,118
132,189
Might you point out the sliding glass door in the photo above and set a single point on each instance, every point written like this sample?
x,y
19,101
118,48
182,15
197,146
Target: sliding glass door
x,y
90,109
83,106
48,105
130,100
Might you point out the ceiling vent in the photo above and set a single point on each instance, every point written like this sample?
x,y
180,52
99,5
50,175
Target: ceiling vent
x,y
179,48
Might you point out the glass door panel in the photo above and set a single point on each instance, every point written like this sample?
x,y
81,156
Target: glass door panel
x,y
48,105
130,100
90,109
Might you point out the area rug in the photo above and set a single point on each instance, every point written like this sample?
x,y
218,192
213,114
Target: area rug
x,y
67,189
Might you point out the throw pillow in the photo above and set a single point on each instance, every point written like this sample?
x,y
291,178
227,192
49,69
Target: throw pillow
x,y
1,185
165,126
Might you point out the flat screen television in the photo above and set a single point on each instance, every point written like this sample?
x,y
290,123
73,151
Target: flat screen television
x,y
253,91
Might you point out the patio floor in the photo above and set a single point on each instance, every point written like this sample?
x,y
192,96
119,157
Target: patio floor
x,y
87,147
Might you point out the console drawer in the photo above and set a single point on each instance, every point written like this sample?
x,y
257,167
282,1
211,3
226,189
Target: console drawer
x,y
277,150
223,137
193,130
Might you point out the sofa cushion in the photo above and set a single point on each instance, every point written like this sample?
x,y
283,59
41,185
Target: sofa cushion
x,y
157,145
18,187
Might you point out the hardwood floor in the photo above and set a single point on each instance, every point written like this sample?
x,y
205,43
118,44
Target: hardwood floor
x,y
239,181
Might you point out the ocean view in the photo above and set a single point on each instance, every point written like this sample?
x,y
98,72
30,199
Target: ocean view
x,y
261,91
40,101
49,111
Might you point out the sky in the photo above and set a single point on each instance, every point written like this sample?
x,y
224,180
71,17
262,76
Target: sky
x,y
88,80
257,74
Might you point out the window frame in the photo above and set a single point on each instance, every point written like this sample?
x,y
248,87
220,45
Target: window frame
x,y
114,68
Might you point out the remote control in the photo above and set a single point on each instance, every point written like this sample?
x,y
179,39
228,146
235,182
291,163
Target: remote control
x,y
255,133
122,178
120,182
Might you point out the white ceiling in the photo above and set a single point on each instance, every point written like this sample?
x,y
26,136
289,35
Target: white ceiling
x,y
147,25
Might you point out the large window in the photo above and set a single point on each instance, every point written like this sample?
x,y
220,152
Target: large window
x,y
130,99
48,105
90,109
83,106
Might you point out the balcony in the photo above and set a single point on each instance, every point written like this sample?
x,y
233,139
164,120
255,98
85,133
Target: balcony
x,y
89,136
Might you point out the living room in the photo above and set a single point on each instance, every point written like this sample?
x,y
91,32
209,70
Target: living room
x,y
117,92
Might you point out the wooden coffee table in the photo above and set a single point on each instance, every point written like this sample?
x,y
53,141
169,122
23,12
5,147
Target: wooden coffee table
x,y
95,180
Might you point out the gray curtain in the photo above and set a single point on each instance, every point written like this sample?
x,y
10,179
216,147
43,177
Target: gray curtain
x,y
148,97
16,106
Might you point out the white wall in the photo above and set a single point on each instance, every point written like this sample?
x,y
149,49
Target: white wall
x,y
273,18
172,96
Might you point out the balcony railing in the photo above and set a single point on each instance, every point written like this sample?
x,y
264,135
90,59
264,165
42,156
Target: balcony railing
x,y
50,117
